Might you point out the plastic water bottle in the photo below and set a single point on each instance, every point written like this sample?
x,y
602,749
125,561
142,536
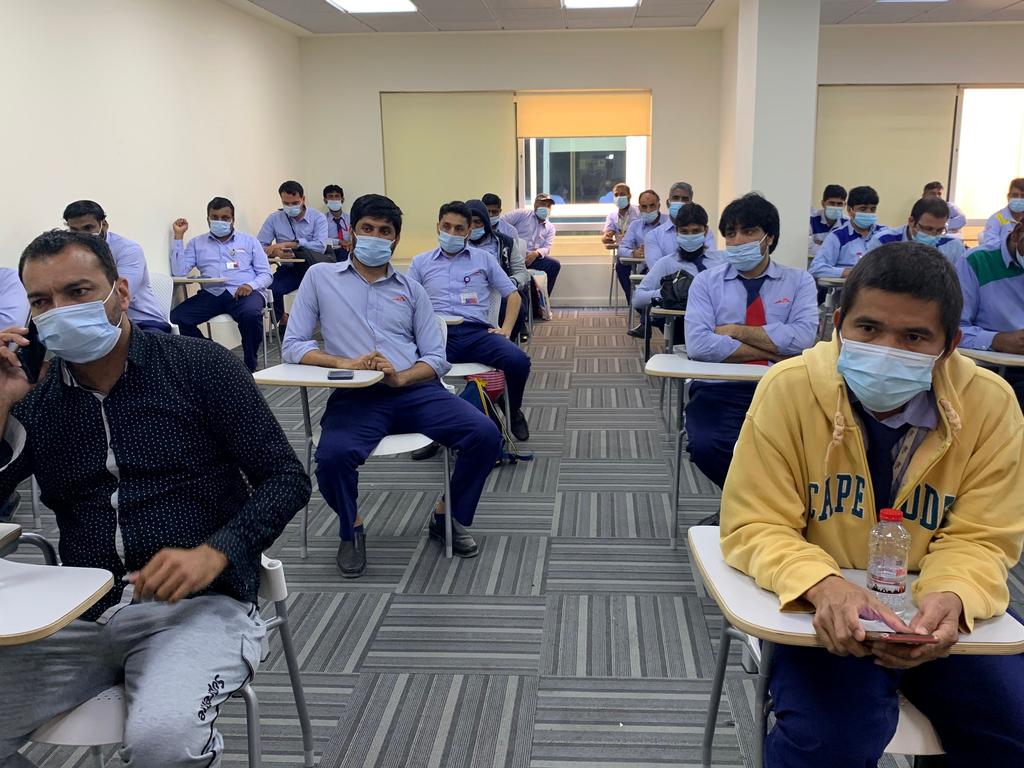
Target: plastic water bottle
x,y
888,551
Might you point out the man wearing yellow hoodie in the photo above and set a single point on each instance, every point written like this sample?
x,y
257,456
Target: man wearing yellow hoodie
x,y
887,414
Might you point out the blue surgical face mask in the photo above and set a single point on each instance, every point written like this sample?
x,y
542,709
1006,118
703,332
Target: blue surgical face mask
x,y
292,210
494,220
477,234
542,213
372,251
334,205
79,333
865,220
650,217
834,212
745,256
674,206
451,244
925,239
622,202
220,228
1016,204
690,243
884,378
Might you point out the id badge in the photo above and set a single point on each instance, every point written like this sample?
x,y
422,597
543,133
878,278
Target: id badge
x,y
231,265
469,297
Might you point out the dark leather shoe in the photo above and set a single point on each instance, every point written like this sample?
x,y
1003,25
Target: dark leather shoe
x,y
429,452
352,556
637,332
463,545
519,427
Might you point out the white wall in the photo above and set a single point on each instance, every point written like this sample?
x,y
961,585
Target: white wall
x,y
345,75
151,108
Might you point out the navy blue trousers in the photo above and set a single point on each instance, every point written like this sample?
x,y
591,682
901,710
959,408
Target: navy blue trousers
x,y
355,420
246,311
472,343
714,416
550,267
287,279
152,325
522,320
622,272
841,712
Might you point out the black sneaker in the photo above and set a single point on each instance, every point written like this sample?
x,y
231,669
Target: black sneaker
x,y
427,452
352,556
637,332
463,545
520,429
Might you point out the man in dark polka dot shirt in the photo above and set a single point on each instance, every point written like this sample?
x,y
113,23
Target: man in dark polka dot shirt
x,y
165,466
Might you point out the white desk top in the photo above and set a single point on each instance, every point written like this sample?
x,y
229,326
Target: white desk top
x,y
287,261
611,246
452,319
288,375
630,260
831,281
37,600
662,312
756,611
198,280
9,533
636,278
682,367
993,358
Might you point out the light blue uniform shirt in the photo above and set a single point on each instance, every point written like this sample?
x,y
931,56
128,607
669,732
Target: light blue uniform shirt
x,y
13,299
842,249
650,286
992,282
717,297
240,260
309,232
618,221
506,229
539,235
131,265
999,225
820,226
636,233
392,316
461,284
661,242
957,219
950,247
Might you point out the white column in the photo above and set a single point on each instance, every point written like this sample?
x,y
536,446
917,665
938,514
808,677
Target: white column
x,y
769,111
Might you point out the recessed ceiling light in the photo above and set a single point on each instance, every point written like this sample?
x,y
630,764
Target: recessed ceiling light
x,y
374,6
907,2
574,5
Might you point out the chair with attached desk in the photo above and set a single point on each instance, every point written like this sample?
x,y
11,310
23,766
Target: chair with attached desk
x,y
683,369
163,289
1000,361
613,250
750,612
100,721
831,286
306,376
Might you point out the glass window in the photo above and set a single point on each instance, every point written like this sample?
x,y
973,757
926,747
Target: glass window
x,y
990,150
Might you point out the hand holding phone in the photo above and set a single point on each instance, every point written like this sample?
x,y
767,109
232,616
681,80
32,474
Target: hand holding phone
x,y
31,357
340,375
907,638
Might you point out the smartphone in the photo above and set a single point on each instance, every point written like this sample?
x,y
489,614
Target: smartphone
x,y
907,638
340,375
31,357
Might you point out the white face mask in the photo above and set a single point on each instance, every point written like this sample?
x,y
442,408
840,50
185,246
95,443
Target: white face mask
x,y
334,205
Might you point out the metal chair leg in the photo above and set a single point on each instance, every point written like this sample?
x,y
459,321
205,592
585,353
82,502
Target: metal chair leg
x,y
673,534
448,505
252,726
761,704
715,697
281,610
304,397
96,755
40,542
36,516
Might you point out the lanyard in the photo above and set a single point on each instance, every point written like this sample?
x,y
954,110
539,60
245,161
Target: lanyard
x,y
907,445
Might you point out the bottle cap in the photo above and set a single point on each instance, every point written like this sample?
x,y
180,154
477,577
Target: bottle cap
x,y
891,515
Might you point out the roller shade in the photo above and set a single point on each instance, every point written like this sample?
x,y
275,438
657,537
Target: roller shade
x,y
596,113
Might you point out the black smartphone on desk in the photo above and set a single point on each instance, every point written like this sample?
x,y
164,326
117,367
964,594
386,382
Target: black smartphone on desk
x,y
340,375
32,356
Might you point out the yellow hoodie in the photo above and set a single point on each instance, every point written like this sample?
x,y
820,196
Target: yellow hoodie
x,y
798,503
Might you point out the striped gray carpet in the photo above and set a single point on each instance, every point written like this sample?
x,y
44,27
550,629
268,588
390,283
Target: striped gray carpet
x,y
576,638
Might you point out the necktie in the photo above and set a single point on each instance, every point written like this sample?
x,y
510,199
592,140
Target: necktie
x,y
755,307
880,441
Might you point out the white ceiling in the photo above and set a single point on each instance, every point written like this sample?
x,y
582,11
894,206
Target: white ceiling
x,y
318,17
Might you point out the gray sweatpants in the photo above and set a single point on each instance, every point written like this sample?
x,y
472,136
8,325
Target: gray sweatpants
x,y
178,663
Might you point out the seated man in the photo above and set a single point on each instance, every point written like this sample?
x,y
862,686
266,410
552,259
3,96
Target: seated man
x,y
844,246
631,246
661,241
459,280
292,231
827,218
992,281
1000,223
144,311
926,225
338,224
749,310
618,221
692,256
886,414
164,466
539,233
957,218
374,318
236,257
511,257
498,224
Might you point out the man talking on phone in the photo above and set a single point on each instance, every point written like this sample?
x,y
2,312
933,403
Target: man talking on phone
x,y
374,318
886,414
164,466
